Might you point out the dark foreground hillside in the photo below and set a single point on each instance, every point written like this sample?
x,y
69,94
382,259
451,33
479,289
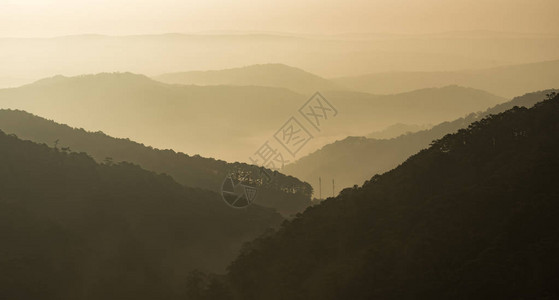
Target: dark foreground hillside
x,y
475,216
74,229
287,194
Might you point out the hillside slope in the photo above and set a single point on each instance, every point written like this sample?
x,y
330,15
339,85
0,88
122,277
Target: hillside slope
x,y
286,194
75,229
355,159
475,216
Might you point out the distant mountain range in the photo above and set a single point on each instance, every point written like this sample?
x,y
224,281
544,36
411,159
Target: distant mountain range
x,y
325,55
229,122
474,216
353,160
361,113
270,75
506,81
216,121
75,229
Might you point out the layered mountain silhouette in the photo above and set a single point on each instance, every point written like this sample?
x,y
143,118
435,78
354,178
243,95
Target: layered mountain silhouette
x,y
286,194
360,112
506,81
229,122
75,229
355,159
225,122
326,55
474,216
271,75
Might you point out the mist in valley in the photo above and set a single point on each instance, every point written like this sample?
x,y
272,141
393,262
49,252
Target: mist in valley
x,y
279,149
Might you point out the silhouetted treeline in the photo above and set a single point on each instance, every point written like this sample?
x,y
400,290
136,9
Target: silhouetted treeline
x,y
355,159
287,194
74,229
474,216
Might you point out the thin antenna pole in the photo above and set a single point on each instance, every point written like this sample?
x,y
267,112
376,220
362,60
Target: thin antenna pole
x,y
333,189
319,188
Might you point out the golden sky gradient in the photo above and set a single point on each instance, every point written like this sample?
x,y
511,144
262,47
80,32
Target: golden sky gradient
x,y
46,18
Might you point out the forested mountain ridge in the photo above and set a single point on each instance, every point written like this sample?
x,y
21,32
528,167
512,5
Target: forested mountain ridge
x,y
355,159
285,193
473,216
75,229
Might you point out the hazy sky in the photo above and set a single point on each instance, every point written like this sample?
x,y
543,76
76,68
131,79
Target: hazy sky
x,y
43,18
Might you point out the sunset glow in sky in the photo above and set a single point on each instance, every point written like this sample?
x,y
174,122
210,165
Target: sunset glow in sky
x,y
45,18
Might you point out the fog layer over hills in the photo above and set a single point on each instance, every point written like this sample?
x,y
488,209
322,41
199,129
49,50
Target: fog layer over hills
x,y
355,159
227,122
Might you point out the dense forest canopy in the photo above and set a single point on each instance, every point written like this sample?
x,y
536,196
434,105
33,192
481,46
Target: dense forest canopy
x,y
75,229
473,216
